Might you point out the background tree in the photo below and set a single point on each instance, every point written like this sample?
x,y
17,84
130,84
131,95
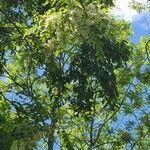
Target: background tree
x,y
70,77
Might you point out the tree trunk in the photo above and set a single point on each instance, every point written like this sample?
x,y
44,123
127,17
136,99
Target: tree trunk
x,y
51,137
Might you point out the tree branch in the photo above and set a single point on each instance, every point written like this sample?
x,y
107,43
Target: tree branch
x,y
146,49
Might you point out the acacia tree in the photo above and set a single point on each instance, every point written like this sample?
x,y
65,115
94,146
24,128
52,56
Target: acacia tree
x,y
70,77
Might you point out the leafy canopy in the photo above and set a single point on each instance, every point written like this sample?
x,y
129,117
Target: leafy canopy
x,y
68,75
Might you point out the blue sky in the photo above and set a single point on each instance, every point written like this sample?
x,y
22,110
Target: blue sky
x,y
141,26
140,21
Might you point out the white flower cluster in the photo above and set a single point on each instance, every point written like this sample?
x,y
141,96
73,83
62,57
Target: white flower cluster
x,y
83,20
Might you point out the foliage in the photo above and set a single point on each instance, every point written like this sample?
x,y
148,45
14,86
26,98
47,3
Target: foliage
x,y
70,75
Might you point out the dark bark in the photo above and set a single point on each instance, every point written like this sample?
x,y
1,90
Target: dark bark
x,y
51,137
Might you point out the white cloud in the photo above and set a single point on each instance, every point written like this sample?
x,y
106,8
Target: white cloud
x,y
142,20
141,1
142,17
123,10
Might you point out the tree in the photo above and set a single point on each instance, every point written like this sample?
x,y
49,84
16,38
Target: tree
x,y
68,75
